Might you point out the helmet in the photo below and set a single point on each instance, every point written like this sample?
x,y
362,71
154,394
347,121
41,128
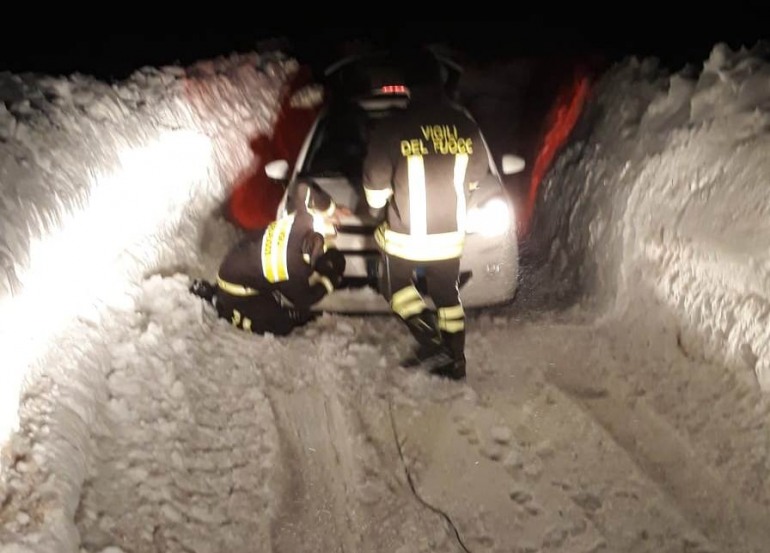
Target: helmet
x,y
422,72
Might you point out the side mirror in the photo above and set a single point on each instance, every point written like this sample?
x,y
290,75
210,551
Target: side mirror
x,y
277,169
513,164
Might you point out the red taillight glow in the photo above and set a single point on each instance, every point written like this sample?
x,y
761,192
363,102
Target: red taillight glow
x,y
394,89
562,118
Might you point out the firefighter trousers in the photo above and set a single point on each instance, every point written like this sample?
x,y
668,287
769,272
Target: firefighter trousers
x,y
399,287
261,313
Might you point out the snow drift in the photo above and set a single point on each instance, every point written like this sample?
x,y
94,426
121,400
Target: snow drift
x,y
100,186
662,197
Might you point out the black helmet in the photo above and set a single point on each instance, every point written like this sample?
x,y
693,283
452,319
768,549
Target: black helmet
x,y
423,73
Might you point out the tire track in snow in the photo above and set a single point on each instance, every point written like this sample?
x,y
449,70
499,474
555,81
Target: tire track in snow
x,y
568,477
186,450
608,374
344,488
212,439
240,441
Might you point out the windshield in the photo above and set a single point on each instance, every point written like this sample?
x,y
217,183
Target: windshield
x,y
339,144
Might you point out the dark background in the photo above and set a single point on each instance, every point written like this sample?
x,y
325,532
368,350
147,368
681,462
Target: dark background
x,y
112,48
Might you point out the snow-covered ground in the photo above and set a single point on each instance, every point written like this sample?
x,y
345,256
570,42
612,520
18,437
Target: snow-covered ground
x,y
618,405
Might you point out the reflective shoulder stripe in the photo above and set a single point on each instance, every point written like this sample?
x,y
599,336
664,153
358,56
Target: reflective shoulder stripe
x,y
236,289
379,197
428,247
275,244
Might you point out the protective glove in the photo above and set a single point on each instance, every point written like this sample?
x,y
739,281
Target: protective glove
x,y
331,265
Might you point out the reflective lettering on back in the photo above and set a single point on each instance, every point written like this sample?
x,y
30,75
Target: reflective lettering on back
x,y
445,139
413,147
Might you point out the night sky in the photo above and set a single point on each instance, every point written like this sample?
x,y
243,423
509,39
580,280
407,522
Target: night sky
x,y
111,54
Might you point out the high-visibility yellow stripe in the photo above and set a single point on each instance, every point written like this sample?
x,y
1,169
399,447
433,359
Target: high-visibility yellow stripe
x,y
429,247
377,198
275,248
461,166
268,243
407,293
235,289
451,326
454,312
407,302
418,216
451,319
246,324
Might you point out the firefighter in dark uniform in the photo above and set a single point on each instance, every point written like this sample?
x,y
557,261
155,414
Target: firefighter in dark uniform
x,y
271,278
420,168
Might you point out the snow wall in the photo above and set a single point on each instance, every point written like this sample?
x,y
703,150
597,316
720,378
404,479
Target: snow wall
x,y
95,180
662,200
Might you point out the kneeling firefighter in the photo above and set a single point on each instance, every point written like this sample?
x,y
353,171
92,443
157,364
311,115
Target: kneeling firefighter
x,y
270,279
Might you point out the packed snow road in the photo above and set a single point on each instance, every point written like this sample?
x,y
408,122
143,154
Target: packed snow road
x,y
154,427
571,434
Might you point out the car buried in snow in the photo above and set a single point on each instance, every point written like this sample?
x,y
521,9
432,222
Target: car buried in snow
x,y
359,92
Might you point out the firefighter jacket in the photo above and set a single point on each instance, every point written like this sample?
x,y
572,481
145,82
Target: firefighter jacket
x,y
273,260
422,163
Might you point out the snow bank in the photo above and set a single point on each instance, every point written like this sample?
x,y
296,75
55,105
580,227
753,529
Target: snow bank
x,y
101,185
663,196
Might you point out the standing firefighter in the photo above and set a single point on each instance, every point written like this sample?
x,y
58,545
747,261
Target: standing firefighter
x,y
271,278
420,168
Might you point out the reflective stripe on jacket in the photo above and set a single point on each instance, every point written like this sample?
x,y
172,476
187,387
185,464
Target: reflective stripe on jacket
x,y
275,244
426,247
421,164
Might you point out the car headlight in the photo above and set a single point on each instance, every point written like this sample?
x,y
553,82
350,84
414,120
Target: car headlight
x,y
491,218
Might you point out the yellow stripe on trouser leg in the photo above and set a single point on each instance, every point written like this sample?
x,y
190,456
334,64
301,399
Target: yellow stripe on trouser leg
x,y
407,302
451,319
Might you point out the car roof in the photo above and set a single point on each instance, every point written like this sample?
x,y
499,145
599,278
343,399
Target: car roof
x,y
364,77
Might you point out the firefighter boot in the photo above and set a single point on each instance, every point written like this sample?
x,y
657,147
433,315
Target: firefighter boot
x,y
424,328
203,289
454,368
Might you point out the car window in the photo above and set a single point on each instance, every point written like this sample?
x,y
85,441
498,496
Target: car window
x,y
339,144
